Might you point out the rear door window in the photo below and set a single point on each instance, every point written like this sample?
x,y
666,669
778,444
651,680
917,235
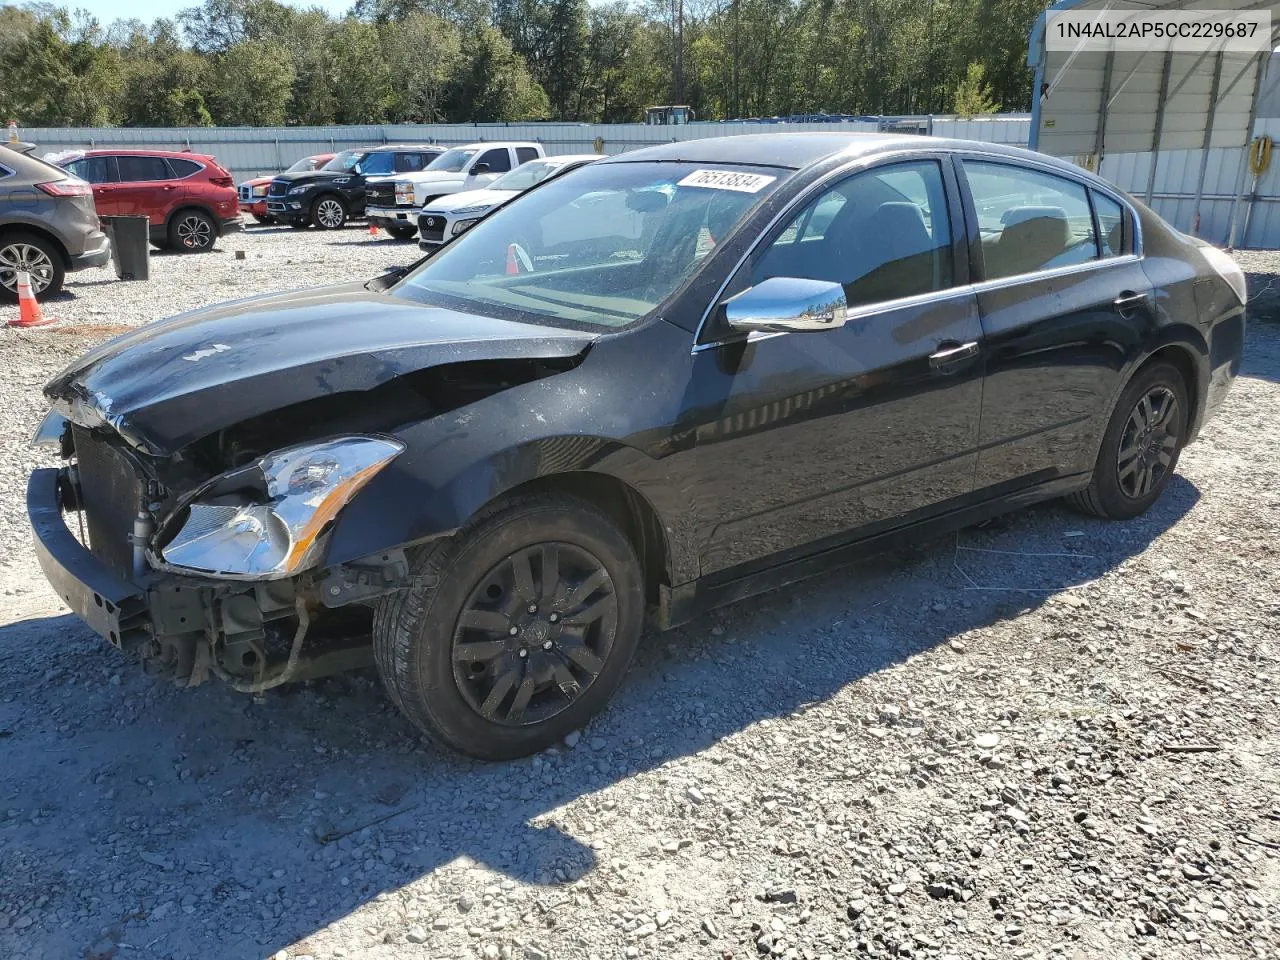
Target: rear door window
x,y
94,169
499,160
1029,220
525,154
140,169
410,162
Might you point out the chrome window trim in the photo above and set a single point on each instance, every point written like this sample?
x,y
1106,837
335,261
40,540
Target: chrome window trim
x,y
939,296
866,162
1088,181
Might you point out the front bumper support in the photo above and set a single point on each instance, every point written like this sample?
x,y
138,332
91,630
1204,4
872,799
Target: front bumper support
x,y
113,607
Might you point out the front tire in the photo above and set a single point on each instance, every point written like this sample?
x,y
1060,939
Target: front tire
x,y
515,631
1141,446
402,233
328,212
192,231
35,255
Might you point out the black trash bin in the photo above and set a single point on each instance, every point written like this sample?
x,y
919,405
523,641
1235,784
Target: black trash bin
x,y
130,246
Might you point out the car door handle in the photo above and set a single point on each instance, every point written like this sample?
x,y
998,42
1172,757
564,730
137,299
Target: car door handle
x,y
1128,300
950,352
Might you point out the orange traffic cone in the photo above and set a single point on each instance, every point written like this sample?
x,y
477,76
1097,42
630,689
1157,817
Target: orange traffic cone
x,y
373,230
28,308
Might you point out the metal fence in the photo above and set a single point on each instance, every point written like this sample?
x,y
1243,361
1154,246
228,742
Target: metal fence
x,y
254,151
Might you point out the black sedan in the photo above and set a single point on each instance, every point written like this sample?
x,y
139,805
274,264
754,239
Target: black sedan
x,y
665,381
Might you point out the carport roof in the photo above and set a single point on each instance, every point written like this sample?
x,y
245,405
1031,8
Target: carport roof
x,y
1094,102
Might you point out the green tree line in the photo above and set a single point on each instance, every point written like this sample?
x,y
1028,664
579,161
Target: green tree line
x,y
260,62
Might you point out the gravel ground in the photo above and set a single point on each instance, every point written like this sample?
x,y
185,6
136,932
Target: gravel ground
x,y
1048,736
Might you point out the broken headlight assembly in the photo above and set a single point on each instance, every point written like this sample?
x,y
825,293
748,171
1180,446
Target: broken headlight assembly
x,y
267,520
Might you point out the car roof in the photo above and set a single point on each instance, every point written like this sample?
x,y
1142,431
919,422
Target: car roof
x,y
133,152
569,158
799,150
395,147
487,144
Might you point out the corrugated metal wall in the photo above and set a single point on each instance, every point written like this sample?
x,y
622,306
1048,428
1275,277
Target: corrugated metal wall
x,y
1174,193
252,151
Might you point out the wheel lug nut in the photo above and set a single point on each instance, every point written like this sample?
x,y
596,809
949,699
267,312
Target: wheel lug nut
x,y
533,608
513,631
547,645
554,618
523,653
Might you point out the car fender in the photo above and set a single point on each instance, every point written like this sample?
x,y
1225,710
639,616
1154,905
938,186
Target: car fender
x,y
459,461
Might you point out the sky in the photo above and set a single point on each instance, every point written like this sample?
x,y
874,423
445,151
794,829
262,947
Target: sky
x,y
148,10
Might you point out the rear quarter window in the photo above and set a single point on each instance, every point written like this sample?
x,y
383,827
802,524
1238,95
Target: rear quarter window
x,y
183,168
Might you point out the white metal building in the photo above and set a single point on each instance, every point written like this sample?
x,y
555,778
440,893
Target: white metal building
x,y
1172,128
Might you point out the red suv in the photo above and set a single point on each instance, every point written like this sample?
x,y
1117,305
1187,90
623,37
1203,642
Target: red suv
x,y
190,199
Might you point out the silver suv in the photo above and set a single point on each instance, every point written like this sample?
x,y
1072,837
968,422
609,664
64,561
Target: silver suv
x,y
48,224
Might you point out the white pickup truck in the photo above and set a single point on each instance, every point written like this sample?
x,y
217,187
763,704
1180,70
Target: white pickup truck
x,y
392,204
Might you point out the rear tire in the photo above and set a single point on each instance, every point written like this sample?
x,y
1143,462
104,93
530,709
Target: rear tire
x,y
1141,446
38,257
192,231
553,569
266,221
329,212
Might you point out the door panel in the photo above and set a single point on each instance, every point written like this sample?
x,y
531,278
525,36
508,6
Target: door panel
x,y
807,436
1055,337
146,188
1054,348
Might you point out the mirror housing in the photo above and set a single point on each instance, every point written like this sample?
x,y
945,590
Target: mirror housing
x,y
788,304
479,168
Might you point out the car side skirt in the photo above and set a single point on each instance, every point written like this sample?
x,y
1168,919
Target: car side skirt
x,y
678,605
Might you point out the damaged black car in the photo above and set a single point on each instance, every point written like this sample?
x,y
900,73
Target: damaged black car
x,y
663,382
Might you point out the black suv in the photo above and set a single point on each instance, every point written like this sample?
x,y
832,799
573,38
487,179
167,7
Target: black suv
x,y
48,224
327,198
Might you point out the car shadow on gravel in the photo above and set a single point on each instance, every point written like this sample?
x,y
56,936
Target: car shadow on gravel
x,y
204,823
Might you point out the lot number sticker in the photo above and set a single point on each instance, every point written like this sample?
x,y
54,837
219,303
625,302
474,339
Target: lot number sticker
x,y
727,180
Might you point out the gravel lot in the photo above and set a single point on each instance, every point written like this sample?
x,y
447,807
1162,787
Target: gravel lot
x,y
1049,736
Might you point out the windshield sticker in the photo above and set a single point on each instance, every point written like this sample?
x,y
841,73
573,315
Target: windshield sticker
x,y
727,180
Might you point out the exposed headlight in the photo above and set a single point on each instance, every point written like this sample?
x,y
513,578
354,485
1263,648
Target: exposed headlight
x,y
260,191
404,193
472,211
267,520
294,191
1228,270
462,226
49,433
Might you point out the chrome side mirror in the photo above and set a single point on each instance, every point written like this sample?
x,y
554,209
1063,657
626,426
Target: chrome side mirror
x,y
788,304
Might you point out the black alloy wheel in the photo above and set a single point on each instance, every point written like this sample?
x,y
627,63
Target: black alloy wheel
x,y
1141,445
1149,443
515,631
534,634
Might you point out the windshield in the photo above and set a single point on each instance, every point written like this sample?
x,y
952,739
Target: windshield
x,y
526,175
344,161
599,247
452,161
306,163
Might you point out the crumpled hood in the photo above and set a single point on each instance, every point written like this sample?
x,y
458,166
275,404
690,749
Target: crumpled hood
x,y
469,198
172,382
